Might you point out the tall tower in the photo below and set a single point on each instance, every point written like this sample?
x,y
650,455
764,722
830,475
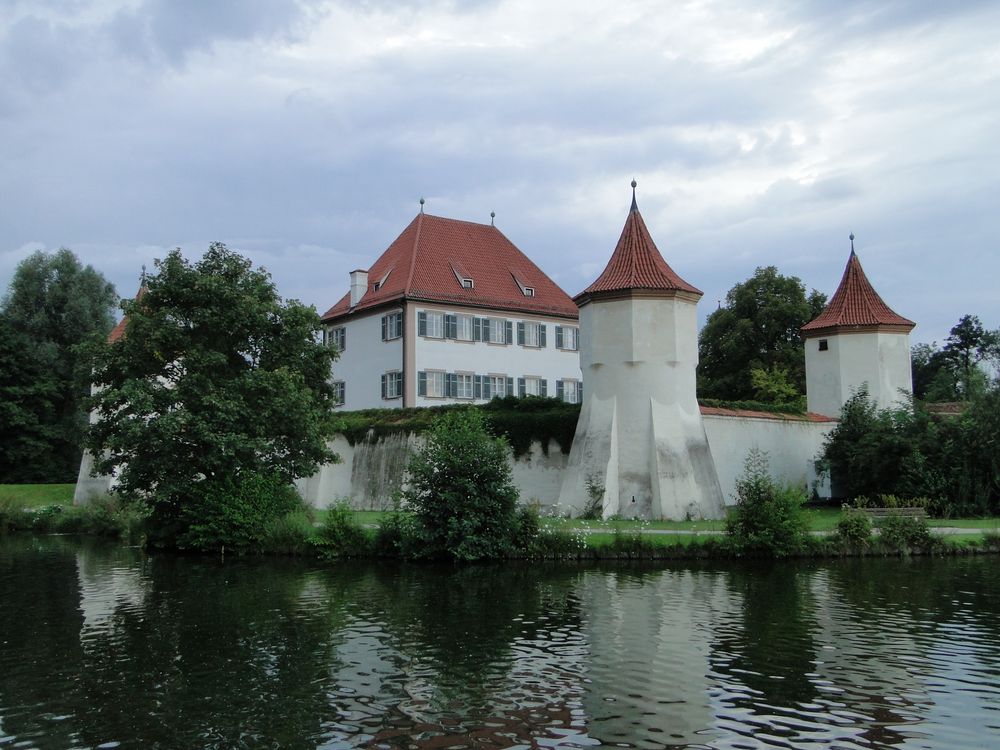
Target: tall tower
x,y
857,339
640,443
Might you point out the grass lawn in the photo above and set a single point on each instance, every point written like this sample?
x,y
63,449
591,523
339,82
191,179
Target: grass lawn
x,y
37,495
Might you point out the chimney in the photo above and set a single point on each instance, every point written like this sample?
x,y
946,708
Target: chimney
x,y
359,285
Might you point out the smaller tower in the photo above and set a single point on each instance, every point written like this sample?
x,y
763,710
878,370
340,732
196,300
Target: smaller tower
x,y
640,444
856,340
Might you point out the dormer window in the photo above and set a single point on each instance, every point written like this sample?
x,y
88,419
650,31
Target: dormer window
x,y
377,286
468,284
529,291
381,282
463,276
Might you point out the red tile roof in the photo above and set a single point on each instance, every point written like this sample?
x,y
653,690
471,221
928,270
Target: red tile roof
x,y
855,305
119,330
421,265
717,411
636,264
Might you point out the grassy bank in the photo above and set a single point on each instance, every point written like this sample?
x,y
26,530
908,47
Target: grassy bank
x,y
37,495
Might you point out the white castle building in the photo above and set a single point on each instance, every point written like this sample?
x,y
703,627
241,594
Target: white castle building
x,y
452,311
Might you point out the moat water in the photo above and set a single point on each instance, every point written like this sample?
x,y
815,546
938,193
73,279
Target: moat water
x,y
102,646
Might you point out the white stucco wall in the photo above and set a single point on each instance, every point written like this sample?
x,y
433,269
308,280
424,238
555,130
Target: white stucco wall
x,y
484,358
880,359
365,357
791,446
640,434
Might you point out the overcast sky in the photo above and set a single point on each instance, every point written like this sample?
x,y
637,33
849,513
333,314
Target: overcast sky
x,y
303,134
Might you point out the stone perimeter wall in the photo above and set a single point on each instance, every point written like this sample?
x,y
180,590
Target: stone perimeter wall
x,y
369,473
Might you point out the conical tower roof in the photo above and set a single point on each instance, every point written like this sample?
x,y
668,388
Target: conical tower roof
x,y
118,331
856,306
636,266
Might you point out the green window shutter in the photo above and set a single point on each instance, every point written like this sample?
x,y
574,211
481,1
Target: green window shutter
x,y
421,323
508,337
385,322
544,388
579,392
451,384
477,329
520,387
383,386
559,389
421,383
541,335
559,337
510,388
520,333
477,386
398,377
451,326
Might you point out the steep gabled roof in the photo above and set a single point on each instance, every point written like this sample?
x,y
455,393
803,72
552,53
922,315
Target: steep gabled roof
x,y
119,330
856,306
636,264
424,260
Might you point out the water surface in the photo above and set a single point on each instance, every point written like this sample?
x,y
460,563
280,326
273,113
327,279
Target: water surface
x,y
111,647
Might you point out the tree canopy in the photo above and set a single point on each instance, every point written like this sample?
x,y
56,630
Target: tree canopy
x,y
955,371
215,379
751,347
54,306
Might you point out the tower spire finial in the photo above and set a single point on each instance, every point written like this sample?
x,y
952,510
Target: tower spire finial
x,y
421,204
635,206
142,276
493,216
852,242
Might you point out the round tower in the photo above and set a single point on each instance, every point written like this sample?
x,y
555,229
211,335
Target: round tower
x,y
640,447
856,340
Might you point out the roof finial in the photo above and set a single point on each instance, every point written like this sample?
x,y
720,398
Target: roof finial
x,y
421,204
142,276
635,206
493,216
852,242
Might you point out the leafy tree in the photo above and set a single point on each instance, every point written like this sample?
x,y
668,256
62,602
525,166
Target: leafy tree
x,y
460,491
934,376
969,344
955,371
216,380
53,306
757,329
767,519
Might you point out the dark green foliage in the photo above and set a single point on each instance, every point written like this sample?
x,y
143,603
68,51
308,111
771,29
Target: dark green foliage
x,y
904,533
952,460
460,491
854,529
101,516
342,536
796,408
520,420
216,379
54,305
757,329
290,534
229,512
766,520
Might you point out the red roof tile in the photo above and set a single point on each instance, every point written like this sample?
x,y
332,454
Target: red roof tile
x,y
636,264
422,261
119,330
855,304
717,411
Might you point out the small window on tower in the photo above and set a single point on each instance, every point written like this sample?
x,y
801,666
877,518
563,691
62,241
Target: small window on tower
x,y
468,283
823,345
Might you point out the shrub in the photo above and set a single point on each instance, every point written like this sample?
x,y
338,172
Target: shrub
x,y
291,534
12,514
854,529
395,536
767,519
341,535
460,490
234,512
904,533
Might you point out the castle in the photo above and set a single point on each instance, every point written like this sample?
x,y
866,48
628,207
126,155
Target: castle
x,y
453,311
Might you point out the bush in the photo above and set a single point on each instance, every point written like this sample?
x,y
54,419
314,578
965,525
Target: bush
x,y
13,517
291,534
460,491
766,520
341,535
854,529
904,533
234,513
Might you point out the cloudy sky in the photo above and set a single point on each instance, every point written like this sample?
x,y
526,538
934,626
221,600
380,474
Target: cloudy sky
x,y
303,134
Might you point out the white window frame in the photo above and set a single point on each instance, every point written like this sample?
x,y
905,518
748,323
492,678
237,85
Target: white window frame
x,y
498,385
393,384
435,324
532,381
393,325
338,337
339,392
435,378
463,327
464,385
576,391
498,330
573,333
531,333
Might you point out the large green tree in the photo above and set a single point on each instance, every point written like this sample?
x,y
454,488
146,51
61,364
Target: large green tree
x,y
955,371
215,381
757,331
54,307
